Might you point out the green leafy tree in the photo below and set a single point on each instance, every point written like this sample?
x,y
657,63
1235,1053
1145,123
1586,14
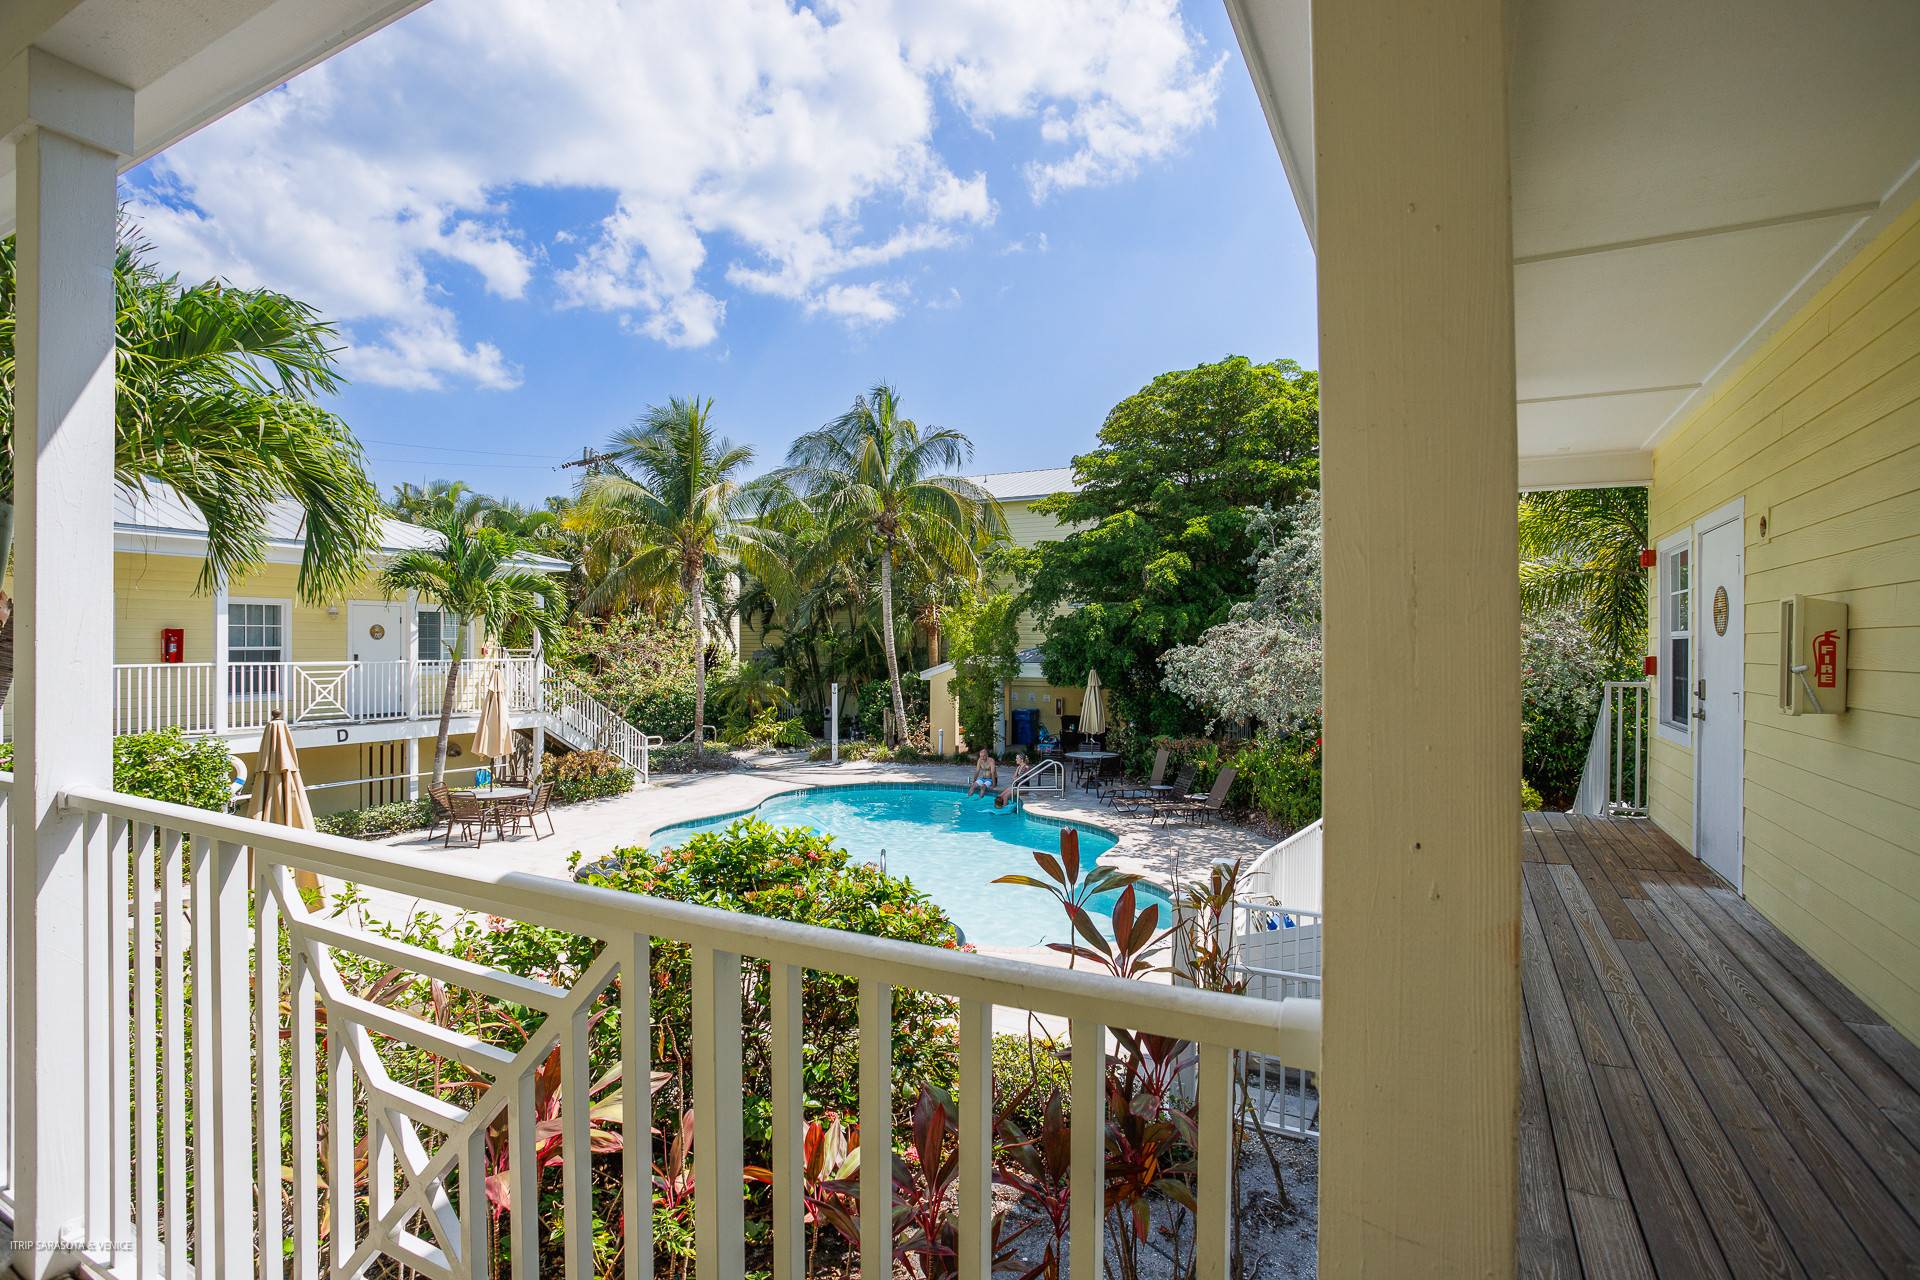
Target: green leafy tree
x,y
1580,550
473,574
436,501
878,484
213,397
668,508
1166,514
983,642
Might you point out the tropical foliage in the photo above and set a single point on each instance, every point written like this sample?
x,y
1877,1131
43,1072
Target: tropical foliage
x,y
214,399
983,640
1166,525
668,508
1580,549
875,483
167,765
475,573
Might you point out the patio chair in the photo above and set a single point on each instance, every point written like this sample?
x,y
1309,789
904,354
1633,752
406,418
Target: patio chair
x,y
1126,787
534,806
1152,796
1196,806
441,801
472,816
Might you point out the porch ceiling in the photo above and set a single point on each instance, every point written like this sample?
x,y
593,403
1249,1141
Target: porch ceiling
x,y
188,61
1684,177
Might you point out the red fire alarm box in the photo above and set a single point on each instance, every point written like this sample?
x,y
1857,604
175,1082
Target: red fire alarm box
x,y
173,644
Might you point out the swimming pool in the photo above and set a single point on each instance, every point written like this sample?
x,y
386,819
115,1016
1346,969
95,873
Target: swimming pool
x,y
950,845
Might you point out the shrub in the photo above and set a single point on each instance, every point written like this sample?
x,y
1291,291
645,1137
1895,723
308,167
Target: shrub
x,y
1562,668
795,873
167,765
769,730
1529,798
680,757
1035,1067
379,820
587,775
876,700
1277,779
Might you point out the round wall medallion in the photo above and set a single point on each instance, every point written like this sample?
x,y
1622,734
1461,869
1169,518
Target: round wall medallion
x,y
1719,611
377,631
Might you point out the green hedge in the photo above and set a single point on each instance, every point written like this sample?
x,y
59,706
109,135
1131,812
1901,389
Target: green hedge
x,y
167,765
380,820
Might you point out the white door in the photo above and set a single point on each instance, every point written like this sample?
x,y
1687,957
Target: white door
x,y
1719,681
376,640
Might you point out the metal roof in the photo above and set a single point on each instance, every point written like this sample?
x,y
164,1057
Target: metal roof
x,y
1037,483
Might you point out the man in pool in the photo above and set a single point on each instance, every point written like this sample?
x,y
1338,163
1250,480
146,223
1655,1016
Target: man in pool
x,y
986,774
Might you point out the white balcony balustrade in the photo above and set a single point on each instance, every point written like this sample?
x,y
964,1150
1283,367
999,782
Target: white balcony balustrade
x,y
235,1065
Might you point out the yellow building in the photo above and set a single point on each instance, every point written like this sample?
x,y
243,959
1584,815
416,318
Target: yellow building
x,y
1800,477
360,679
1029,706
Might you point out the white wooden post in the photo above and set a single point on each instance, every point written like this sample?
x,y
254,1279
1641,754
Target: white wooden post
x,y
833,722
410,654
69,129
1419,474
221,680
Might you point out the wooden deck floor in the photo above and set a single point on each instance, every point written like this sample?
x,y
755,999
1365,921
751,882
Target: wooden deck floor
x,y
1698,1096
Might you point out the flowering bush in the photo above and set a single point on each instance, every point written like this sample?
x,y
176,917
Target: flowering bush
x,y
1262,665
795,873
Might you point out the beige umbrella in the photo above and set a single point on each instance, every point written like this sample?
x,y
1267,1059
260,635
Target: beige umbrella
x,y
1093,715
280,794
492,735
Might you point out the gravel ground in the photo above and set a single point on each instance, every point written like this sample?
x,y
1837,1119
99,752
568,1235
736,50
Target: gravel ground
x,y
1277,1241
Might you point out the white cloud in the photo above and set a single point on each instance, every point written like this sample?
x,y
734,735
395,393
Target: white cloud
x,y
742,143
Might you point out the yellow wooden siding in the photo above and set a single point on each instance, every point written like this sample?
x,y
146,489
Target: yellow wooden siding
x,y
1025,528
1820,433
153,591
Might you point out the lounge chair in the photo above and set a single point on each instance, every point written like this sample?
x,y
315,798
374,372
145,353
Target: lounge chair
x,y
472,816
1153,795
534,806
1196,805
1127,788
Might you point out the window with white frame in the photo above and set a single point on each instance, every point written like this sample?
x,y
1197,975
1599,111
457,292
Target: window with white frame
x,y
438,633
1676,630
256,632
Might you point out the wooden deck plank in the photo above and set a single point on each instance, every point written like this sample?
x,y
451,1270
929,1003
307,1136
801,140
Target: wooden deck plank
x,y
1545,1233
1885,1227
1865,1126
1714,1101
1752,1241
1828,1027
1605,1233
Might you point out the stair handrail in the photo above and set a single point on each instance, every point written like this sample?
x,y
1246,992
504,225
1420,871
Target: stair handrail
x,y
1028,776
1614,781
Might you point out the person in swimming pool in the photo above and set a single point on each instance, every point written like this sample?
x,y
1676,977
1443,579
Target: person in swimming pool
x,y
986,774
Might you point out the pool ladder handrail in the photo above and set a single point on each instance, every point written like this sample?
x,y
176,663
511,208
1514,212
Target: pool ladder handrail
x,y
1028,777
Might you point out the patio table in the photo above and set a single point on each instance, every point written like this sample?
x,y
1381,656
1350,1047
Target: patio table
x,y
1091,763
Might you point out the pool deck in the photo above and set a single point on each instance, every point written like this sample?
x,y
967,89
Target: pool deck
x,y
1163,854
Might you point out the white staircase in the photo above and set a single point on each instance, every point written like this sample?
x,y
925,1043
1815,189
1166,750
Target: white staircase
x,y
582,722
1613,784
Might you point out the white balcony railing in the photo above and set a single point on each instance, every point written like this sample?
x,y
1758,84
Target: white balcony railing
x,y
153,695
222,1061
1614,781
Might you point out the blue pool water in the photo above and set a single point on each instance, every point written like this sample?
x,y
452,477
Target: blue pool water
x,y
951,846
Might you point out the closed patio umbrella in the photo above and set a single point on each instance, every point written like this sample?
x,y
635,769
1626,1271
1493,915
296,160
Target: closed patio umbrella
x,y
1093,713
492,735
280,794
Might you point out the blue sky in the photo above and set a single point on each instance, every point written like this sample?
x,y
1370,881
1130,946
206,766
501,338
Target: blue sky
x,y
1018,225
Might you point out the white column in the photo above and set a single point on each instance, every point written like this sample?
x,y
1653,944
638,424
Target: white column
x,y
67,143
1419,475
410,651
413,764
221,681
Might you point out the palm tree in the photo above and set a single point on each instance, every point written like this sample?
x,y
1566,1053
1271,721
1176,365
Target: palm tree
x,y
876,482
213,398
667,507
472,575
1581,548
432,502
